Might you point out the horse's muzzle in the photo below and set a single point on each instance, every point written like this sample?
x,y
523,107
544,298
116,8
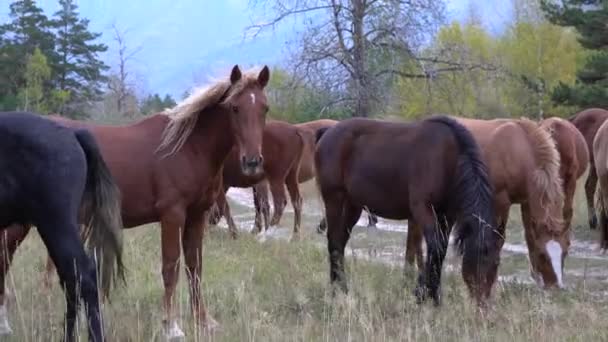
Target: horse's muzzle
x,y
252,166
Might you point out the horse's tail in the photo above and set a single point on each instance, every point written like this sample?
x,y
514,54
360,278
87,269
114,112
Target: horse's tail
x,y
602,207
546,176
319,133
476,238
103,229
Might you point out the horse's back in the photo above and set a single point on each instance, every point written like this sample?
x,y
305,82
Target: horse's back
x,y
570,144
588,122
376,162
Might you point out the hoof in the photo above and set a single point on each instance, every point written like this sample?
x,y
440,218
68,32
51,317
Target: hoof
x,y
593,222
173,331
295,237
210,325
5,328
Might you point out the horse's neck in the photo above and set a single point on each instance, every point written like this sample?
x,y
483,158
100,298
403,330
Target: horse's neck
x,y
212,137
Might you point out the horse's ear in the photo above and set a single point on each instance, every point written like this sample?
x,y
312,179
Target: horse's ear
x,y
235,75
264,76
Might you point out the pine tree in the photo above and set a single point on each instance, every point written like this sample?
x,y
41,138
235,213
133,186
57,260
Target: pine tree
x,y
79,69
27,30
590,18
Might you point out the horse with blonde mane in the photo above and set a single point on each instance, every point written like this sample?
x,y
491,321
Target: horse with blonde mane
x,y
524,167
168,169
588,122
574,159
600,150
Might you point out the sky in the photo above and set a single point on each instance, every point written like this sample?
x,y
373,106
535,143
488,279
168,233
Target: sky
x,y
182,43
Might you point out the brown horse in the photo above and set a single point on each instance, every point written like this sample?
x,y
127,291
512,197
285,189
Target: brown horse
x,y
439,180
600,150
282,147
524,163
574,159
168,168
588,122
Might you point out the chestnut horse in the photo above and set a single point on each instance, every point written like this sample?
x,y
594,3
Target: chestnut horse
x,y
439,180
168,168
282,148
600,150
524,164
588,122
574,159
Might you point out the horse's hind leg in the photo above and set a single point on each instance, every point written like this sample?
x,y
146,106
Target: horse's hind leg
x,y
277,187
590,186
10,239
76,273
341,217
224,208
296,202
262,207
436,234
413,248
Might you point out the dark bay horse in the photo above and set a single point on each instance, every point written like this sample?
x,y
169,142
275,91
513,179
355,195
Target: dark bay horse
x,y
282,148
429,171
574,159
600,150
588,122
168,168
51,175
524,167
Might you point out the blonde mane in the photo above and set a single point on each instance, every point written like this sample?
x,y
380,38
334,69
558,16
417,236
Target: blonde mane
x,y
184,116
546,176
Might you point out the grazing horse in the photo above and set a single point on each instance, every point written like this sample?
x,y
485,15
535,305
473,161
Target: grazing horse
x,y
574,159
588,122
600,150
282,148
523,163
439,180
50,175
168,167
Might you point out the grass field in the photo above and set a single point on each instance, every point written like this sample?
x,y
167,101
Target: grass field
x,y
268,289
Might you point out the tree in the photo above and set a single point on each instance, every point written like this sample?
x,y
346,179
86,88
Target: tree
x,y
589,18
352,47
121,84
37,71
27,30
154,104
79,69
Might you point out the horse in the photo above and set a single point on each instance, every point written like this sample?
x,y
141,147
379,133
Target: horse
x,y
440,180
524,166
282,146
176,176
51,175
588,122
574,159
600,150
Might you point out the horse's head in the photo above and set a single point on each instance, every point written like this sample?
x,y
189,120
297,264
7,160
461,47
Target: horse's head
x,y
548,244
247,107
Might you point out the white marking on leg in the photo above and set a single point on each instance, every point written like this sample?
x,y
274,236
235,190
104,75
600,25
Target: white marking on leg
x,y
5,328
173,331
252,98
554,249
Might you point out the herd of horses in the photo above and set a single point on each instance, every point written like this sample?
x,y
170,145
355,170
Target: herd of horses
x,y
79,184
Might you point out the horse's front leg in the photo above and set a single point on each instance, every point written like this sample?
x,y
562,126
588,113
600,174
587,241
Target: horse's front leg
x,y
192,244
172,222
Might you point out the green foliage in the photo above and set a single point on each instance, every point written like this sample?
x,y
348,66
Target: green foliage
x,y
37,71
508,75
294,102
154,104
591,88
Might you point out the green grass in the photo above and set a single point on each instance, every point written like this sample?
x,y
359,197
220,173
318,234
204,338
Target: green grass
x,y
279,291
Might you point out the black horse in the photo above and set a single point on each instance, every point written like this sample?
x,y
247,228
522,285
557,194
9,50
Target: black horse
x,y
49,175
429,172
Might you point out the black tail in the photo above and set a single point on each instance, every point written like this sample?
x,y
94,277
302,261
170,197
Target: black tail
x,y
476,237
319,133
102,203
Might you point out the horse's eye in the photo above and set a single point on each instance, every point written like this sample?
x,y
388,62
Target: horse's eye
x,y
235,109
